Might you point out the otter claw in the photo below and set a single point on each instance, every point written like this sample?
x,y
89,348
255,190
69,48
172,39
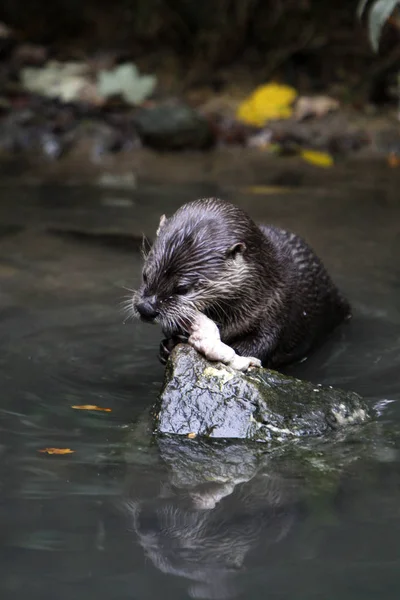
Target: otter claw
x,y
163,352
255,364
244,363
167,345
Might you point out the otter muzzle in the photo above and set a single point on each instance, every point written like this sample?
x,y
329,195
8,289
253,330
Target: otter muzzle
x,y
147,310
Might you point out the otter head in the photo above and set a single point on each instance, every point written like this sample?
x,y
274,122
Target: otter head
x,y
197,263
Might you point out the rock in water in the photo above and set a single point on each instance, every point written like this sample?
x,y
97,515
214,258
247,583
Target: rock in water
x,y
172,125
200,398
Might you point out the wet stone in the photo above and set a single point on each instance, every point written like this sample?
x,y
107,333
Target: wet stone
x,y
172,125
200,398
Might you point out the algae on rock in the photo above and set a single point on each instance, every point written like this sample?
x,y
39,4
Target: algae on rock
x,y
200,398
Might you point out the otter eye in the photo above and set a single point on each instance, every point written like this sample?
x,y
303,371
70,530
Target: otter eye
x,y
181,290
144,276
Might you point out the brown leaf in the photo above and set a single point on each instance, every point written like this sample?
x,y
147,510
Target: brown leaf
x,y
57,451
393,160
91,407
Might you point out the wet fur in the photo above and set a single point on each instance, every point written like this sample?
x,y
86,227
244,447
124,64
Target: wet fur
x,y
265,288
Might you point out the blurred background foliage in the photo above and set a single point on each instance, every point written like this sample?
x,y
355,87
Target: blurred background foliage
x,y
379,12
320,41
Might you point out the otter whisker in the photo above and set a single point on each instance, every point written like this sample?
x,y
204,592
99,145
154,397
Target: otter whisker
x,y
145,247
124,306
127,306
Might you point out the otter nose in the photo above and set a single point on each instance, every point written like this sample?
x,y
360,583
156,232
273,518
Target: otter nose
x,y
147,309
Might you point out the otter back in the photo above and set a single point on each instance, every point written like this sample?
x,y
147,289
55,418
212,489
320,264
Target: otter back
x,y
312,307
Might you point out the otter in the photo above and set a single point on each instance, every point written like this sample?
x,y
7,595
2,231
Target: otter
x,y
242,293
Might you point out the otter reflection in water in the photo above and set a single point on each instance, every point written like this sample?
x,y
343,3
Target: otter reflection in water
x,y
203,531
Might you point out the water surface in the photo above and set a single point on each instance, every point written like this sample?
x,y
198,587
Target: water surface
x,y
121,519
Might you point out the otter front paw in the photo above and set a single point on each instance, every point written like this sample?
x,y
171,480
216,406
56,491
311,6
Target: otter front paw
x,y
215,350
243,363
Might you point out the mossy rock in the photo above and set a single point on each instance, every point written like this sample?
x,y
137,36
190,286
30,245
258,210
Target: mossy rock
x,y
172,125
199,398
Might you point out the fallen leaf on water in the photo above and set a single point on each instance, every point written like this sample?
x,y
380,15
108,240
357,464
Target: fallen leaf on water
x,y
320,159
91,407
57,451
393,160
191,435
265,189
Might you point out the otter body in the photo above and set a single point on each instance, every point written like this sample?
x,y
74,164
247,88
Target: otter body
x,y
264,287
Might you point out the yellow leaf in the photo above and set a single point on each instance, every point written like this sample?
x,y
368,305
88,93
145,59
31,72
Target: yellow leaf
x,y
265,189
191,435
320,159
91,407
267,102
57,451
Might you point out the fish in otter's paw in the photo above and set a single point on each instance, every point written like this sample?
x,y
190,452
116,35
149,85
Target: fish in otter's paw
x,y
238,292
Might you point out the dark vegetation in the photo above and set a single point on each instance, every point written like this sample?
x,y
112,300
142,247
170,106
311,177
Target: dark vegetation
x,y
311,44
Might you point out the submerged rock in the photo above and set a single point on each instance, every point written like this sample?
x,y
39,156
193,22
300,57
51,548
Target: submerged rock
x,y
200,398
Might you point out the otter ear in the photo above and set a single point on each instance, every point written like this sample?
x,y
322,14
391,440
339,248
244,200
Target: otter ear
x,y
236,249
163,220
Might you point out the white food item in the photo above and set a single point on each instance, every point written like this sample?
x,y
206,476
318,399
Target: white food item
x,y
205,338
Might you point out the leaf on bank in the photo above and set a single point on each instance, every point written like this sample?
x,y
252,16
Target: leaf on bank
x,y
267,102
125,80
265,189
57,451
320,159
393,160
91,407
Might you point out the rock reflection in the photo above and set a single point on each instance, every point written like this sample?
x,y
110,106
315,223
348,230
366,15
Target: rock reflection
x,y
225,506
217,503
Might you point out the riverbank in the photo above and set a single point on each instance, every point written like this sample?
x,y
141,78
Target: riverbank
x,y
226,166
